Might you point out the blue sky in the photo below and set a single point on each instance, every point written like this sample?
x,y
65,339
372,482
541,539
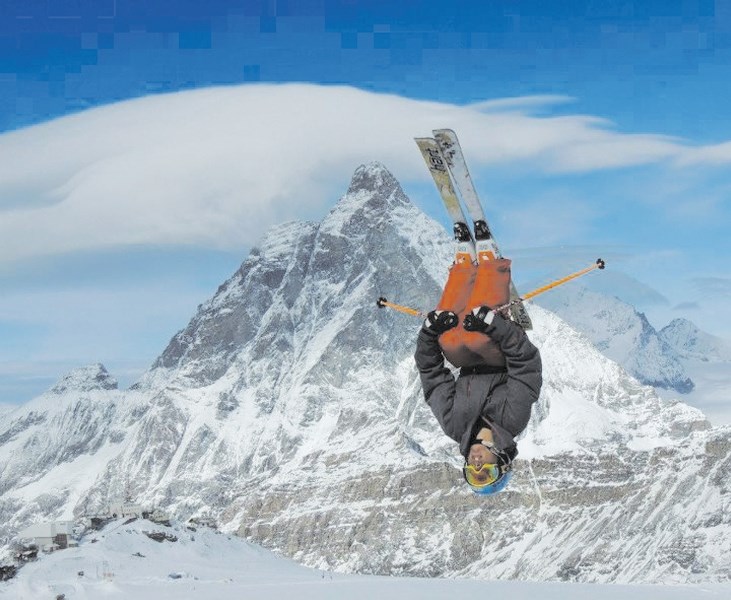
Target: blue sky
x,y
614,141
660,66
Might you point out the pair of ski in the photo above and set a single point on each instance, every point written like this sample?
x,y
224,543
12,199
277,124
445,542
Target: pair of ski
x,y
443,155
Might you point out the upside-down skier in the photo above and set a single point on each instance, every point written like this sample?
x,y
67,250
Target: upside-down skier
x,y
479,327
490,402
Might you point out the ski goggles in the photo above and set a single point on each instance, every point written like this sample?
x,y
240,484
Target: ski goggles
x,y
481,477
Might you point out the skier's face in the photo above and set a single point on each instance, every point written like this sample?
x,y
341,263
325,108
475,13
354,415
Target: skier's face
x,y
479,455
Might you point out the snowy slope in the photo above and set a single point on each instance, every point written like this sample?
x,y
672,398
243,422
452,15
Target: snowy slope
x,y
123,562
290,409
52,448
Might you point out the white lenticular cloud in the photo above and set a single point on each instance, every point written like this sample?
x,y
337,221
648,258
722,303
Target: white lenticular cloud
x,y
716,154
215,167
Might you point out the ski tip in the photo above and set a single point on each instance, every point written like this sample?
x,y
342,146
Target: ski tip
x,y
600,263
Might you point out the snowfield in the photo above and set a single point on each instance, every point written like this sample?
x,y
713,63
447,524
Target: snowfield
x,y
122,562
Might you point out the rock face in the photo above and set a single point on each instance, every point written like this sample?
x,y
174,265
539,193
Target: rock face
x,y
621,333
290,409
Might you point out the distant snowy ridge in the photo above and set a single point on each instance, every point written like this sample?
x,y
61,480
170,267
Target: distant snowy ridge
x,y
691,343
85,379
290,409
621,333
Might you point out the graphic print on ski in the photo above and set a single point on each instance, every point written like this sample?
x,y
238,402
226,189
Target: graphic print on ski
x,y
438,168
486,247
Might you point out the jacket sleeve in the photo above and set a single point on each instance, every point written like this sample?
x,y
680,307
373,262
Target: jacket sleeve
x,y
523,363
436,380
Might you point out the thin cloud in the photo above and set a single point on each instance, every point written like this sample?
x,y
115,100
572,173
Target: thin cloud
x,y
713,155
521,103
713,286
686,306
213,168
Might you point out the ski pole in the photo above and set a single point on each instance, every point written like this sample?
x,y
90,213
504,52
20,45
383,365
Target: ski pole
x,y
382,303
599,264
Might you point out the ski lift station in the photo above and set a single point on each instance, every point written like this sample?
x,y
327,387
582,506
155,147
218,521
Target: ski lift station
x,y
51,536
126,509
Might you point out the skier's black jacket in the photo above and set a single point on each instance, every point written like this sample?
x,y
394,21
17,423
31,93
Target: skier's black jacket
x,y
503,400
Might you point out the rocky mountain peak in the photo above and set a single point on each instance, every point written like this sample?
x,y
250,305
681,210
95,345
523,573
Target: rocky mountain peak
x,y
301,269
682,330
85,379
373,177
373,196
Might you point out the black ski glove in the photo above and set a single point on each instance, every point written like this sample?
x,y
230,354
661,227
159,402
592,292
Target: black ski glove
x,y
479,319
440,321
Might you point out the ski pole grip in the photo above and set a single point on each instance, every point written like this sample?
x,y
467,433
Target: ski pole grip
x,y
381,302
600,263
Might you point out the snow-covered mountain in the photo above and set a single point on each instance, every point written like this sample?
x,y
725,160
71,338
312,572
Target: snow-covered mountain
x,y
621,333
689,342
707,359
86,379
290,409
680,358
